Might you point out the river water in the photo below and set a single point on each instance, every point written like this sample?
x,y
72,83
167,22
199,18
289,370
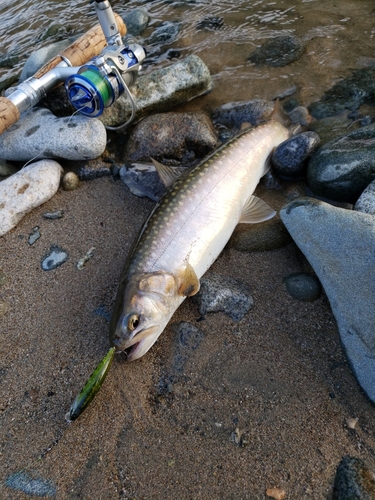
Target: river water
x,y
340,36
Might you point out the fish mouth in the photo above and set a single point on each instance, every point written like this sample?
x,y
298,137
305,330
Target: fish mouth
x,y
139,344
133,351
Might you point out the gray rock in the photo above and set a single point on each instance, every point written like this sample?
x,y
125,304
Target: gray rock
x,y
210,23
354,480
161,90
29,484
300,115
27,189
279,51
54,258
333,126
34,235
269,235
223,294
184,137
341,169
303,286
136,21
7,83
234,114
143,181
289,159
42,56
57,214
164,34
40,134
9,60
348,93
336,242
58,102
366,202
94,169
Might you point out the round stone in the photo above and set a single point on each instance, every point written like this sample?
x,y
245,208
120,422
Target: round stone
x,y
303,286
70,181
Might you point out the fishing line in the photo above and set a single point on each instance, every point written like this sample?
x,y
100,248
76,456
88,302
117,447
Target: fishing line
x,y
53,138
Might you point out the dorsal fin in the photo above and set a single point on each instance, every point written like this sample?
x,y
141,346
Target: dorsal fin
x,y
256,210
168,175
278,114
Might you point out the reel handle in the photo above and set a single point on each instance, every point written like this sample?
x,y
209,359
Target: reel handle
x,y
9,114
84,48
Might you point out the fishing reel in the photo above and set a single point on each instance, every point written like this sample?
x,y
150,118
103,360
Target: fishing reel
x,y
101,81
91,87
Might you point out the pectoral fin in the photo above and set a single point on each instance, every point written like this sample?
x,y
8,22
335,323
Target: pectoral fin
x,y
256,210
168,175
188,282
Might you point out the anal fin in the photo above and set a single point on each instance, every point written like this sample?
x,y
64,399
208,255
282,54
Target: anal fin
x,y
168,175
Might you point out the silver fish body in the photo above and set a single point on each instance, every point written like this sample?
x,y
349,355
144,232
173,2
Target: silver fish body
x,y
185,234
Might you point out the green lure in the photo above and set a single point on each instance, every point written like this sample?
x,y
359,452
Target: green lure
x,y
91,387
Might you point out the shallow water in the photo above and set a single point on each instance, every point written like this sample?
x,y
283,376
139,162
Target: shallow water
x,y
340,36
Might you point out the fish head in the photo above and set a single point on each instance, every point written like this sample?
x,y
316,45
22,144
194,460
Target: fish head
x,y
149,301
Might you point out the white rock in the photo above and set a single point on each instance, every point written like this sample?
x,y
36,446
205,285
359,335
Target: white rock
x,y
27,189
39,133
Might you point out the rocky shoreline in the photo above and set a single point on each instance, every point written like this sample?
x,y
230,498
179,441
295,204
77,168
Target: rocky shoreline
x,y
322,184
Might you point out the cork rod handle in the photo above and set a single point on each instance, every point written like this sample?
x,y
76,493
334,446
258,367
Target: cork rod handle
x,y
84,48
9,114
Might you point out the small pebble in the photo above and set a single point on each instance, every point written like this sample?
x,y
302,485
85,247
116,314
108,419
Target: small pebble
x,y
34,235
239,437
303,286
4,308
351,422
276,493
55,258
70,181
58,214
89,255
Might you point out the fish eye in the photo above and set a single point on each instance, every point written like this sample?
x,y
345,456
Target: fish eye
x,y
133,322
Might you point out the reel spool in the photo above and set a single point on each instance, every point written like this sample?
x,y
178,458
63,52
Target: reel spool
x,y
90,92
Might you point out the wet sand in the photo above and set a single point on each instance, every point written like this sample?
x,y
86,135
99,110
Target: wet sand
x,y
261,403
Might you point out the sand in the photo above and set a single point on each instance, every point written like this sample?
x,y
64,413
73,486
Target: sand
x,y
261,403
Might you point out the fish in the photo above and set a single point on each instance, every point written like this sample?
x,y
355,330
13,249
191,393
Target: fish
x,y
187,231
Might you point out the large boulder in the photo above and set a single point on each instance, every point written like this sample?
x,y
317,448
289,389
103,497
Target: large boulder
x,y
338,243
341,169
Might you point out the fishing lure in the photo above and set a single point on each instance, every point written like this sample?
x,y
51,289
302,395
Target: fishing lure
x,y
91,387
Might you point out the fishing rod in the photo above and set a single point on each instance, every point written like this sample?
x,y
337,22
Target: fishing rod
x,y
94,70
